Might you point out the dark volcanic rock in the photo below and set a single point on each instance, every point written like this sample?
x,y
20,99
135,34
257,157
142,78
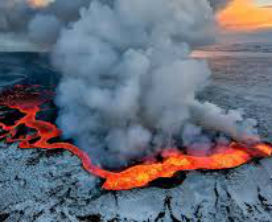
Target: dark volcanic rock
x,y
56,188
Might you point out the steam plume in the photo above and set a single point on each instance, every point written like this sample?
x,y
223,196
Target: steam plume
x,y
128,81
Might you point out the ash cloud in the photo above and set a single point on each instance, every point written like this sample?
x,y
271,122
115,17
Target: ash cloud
x,y
129,83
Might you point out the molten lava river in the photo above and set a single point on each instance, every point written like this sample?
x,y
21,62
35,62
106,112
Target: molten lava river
x,y
28,102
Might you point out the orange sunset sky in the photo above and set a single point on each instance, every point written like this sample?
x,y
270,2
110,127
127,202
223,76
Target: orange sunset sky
x,y
245,15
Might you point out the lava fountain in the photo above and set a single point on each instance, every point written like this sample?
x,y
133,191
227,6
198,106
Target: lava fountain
x,y
29,100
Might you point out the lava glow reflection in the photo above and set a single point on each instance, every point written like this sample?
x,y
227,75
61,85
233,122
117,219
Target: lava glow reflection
x,y
28,101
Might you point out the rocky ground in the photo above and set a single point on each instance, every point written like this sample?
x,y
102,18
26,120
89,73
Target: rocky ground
x,y
51,186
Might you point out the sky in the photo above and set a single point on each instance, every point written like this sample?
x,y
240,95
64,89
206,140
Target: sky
x,y
264,2
246,15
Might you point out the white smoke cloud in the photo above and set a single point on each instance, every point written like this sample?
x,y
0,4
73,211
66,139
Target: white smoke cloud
x,y
229,122
128,81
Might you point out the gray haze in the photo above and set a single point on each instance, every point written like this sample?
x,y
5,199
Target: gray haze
x,y
41,25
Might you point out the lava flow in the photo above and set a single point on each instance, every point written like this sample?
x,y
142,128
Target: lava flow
x,y
28,101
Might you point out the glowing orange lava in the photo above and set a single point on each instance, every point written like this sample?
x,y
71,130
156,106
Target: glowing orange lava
x,y
29,101
245,15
